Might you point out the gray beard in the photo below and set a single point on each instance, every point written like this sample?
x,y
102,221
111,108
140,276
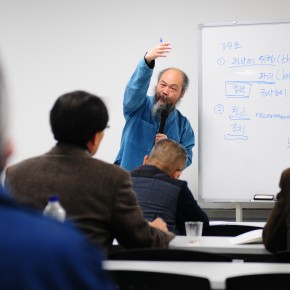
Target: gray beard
x,y
158,108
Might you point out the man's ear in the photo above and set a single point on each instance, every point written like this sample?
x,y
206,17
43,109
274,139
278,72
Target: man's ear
x,y
98,137
176,174
90,144
145,160
94,142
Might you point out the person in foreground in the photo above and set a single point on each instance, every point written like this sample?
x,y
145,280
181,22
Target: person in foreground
x,y
38,253
143,114
96,195
160,192
276,232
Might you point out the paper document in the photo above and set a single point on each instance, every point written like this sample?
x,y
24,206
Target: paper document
x,y
254,236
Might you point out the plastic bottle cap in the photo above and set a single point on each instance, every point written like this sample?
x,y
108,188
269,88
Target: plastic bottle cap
x,y
53,198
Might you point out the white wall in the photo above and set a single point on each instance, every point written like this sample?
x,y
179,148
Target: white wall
x,y
55,46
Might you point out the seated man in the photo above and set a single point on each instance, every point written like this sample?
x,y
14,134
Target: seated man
x,y
97,196
160,193
38,253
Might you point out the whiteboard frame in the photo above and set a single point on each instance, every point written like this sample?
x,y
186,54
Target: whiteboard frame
x,y
200,95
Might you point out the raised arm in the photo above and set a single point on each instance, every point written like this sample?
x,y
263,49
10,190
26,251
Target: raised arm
x,y
135,94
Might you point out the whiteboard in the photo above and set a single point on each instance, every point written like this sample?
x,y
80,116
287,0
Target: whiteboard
x,y
244,109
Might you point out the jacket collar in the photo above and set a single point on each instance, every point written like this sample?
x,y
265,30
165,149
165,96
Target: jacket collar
x,y
69,149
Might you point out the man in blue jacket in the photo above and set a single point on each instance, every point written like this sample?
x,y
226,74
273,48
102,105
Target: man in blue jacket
x,y
159,190
143,113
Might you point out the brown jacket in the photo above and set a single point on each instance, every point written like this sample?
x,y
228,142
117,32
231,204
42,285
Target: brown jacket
x,y
97,196
276,233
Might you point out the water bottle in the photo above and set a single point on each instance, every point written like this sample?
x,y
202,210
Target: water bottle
x,y
54,209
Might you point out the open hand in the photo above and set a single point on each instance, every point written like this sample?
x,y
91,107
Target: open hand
x,y
161,50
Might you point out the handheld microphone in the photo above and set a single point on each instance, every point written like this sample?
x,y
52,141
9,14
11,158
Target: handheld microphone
x,y
164,115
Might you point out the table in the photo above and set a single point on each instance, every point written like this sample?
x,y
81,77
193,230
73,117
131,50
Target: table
x,y
222,245
216,272
218,245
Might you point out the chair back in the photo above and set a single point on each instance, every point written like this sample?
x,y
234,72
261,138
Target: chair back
x,y
168,255
282,257
227,230
143,280
271,281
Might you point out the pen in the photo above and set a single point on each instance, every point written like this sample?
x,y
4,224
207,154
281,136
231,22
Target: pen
x,y
161,41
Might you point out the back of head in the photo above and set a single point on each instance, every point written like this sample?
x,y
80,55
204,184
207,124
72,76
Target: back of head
x,y
168,155
77,116
284,185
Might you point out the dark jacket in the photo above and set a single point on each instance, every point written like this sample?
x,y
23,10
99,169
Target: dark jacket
x,y
97,196
171,199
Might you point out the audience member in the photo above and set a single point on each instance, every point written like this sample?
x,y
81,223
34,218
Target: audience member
x,y
276,233
97,196
143,113
38,253
160,192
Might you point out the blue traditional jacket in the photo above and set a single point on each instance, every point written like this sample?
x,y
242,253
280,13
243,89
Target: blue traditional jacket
x,y
141,127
